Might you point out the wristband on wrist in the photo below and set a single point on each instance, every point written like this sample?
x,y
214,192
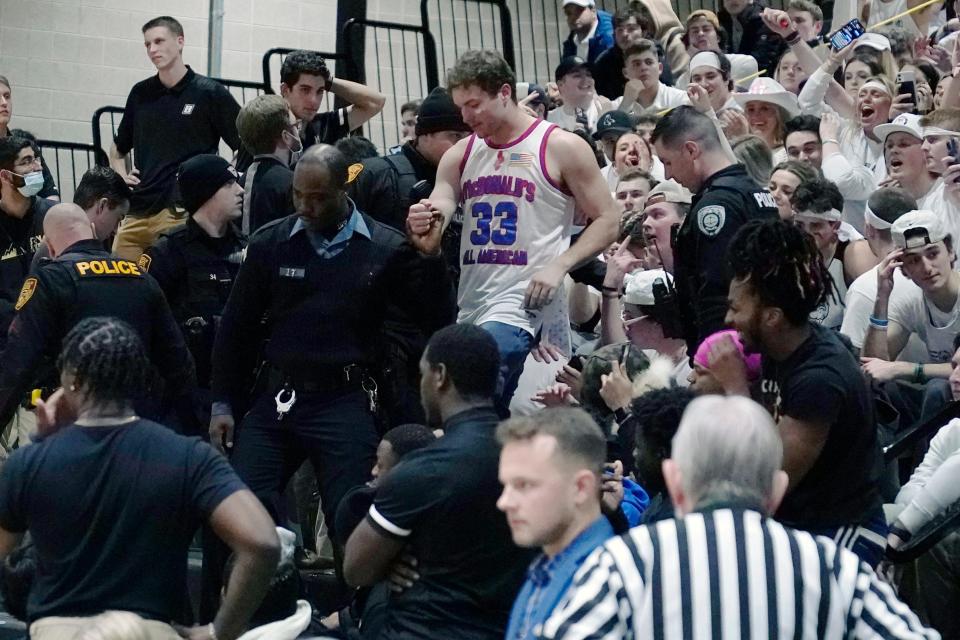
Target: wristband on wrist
x,y
833,140
620,414
900,532
792,38
879,323
918,374
611,289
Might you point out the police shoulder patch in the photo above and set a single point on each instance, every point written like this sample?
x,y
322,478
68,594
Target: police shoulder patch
x,y
710,219
26,292
144,262
353,171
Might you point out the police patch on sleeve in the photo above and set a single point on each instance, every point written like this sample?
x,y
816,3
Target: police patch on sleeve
x,y
26,292
353,171
144,262
710,219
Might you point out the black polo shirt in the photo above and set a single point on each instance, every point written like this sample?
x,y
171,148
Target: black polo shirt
x,y
821,382
166,126
442,500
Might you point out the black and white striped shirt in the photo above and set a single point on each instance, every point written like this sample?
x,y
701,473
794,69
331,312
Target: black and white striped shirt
x,y
725,574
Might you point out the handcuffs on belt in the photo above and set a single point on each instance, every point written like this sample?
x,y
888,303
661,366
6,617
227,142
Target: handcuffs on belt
x,y
287,396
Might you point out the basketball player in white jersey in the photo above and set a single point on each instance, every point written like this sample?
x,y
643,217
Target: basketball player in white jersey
x,y
518,180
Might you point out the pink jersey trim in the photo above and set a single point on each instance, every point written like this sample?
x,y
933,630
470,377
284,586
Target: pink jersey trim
x,y
466,153
543,161
523,136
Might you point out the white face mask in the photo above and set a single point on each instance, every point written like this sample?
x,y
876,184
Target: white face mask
x,y
295,145
32,184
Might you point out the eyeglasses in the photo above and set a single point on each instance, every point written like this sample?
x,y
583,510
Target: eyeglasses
x,y
29,161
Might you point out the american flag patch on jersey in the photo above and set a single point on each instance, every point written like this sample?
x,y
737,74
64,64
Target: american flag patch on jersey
x,y
521,160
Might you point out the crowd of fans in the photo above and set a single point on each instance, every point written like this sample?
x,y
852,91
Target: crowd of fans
x,y
611,354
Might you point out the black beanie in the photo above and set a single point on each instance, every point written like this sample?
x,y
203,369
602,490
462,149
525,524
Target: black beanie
x,y
200,177
437,112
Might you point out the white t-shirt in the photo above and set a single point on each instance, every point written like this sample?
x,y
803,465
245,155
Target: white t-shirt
x,y
862,295
565,117
666,98
936,328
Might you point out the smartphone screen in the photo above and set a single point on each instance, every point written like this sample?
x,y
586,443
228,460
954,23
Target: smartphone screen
x,y
847,34
906,85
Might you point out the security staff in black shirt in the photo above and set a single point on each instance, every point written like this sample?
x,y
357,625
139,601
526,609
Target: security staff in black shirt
x,y
317,286
196,263
168,119
725,197
384,189
21,220
81,282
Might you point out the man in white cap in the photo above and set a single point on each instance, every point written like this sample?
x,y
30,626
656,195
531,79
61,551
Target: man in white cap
x,y
925,253
667,205
711,70
906,160
644,93
884,207
591,31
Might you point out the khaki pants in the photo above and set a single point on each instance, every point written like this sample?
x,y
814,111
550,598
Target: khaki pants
x,y
56,628
136,234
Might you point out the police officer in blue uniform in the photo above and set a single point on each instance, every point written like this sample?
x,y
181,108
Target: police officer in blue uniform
x,y
725,197
316,289
196,263
82,281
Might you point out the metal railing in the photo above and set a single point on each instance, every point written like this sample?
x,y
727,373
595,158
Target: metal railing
x,y
68,161
273,59
452,27
403,67
241,90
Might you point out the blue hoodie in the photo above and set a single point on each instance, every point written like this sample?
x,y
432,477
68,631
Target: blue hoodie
x,y
601,41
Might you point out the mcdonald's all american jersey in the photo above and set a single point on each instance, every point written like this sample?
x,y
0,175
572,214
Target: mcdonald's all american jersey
x,y
516,219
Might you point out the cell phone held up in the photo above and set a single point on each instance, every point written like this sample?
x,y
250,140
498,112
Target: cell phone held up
x,y
953,153
846,34
906,84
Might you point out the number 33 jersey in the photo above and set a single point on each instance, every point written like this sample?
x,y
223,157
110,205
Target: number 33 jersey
x,y
516,219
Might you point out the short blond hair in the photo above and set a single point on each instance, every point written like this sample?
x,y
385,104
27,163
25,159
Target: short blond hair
x,y
261,122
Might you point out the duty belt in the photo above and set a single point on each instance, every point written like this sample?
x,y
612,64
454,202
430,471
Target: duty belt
x,y
323,380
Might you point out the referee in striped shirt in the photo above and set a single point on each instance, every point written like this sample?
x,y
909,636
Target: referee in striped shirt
x,y
723,569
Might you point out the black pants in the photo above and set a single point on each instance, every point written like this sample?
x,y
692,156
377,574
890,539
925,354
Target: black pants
x,y
336,433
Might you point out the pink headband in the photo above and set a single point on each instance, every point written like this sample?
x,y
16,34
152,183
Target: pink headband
x,y
702,356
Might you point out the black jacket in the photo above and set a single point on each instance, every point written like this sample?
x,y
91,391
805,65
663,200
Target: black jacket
x,y
725,202
196,272
757,41
319,315
85,282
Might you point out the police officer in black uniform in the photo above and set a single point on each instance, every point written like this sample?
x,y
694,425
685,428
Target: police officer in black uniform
x,y
384,188
83,281
196,263
725,197
317,286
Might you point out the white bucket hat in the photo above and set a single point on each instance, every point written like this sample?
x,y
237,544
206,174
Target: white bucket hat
x,y
769,90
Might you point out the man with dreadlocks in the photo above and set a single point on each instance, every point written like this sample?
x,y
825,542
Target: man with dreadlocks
x,y
105,493
810,382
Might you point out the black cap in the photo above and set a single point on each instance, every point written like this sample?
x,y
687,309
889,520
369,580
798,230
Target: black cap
x,y
542,96
439,113
569,65
613,122
202,176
